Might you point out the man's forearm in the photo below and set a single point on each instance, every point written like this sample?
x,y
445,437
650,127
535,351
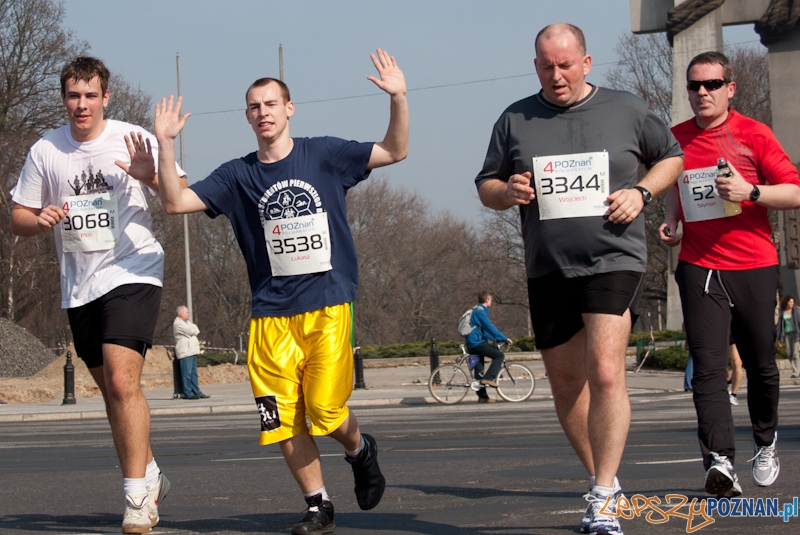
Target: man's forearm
x,y
779,196
662,175
395,142
169,183
24,223
493,194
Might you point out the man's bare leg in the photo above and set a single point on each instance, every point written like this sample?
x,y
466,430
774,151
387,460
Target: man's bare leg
x,y
302,458
126,407
566,371
609,407
302,455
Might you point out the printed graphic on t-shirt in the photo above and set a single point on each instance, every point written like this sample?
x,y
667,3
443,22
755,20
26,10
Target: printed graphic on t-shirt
x,y
91,214
295,229
268,411
90,182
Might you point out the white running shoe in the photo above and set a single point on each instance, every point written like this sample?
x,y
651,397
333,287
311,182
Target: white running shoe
x,y
766,465
586,521
136,518
721,480
155,496
601,522
733,399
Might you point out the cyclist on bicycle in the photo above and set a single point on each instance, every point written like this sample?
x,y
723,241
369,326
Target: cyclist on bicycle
x,y
478,344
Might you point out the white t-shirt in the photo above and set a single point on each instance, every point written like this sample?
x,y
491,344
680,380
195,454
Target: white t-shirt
x,y
58,167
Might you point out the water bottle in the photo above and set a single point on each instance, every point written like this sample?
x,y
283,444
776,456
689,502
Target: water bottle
x,y
723,170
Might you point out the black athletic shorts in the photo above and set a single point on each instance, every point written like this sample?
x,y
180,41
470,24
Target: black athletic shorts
x,y
556,302
125,316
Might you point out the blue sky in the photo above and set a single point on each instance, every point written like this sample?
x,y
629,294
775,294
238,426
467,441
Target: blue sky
x,y
464,60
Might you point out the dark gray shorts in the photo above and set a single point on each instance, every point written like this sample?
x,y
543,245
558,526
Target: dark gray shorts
x,y
125,316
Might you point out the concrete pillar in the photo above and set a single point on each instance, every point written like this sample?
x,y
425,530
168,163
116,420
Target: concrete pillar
x,y
784,79
703,36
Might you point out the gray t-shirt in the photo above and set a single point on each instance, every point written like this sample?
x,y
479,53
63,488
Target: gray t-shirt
x,y
616,122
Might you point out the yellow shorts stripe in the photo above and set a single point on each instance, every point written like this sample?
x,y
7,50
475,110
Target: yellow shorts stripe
x,y
301,367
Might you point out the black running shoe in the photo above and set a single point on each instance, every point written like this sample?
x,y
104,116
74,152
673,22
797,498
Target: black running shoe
x,y
370,483
318,519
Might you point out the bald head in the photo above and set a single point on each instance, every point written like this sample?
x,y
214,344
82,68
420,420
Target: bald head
x,y
555,31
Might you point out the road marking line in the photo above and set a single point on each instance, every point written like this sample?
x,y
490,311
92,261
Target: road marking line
x,y
267,458
676,461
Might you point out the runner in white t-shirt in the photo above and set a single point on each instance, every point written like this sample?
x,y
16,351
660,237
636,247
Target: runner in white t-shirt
x,y
78,180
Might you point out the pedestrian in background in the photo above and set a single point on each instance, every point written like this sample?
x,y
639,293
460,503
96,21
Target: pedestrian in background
x,y
786,329
187,346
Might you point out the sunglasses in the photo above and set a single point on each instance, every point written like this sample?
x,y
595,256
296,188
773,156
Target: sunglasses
x,y
710,85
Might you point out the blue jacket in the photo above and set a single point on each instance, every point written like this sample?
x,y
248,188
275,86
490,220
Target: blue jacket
x,y
485,331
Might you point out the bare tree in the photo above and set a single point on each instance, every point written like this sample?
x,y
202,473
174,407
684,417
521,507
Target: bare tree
x,y
420,268
34,46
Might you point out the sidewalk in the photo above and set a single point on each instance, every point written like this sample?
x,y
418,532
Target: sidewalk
x,y
391,385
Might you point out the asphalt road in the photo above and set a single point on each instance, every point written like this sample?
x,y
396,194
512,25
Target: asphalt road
x,y
468,469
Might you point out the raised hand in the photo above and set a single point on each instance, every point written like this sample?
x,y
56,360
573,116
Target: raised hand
x,y
142,166
169,121
390,78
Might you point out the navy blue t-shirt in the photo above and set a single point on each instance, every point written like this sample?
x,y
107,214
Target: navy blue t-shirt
x,y
313,178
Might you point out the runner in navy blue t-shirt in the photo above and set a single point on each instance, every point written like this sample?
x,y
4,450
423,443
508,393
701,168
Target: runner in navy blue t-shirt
x,y
286,203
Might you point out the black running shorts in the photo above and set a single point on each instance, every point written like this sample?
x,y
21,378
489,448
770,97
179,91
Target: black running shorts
x,y
556,303
125,316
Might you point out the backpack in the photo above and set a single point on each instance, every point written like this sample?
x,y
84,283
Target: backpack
x,y
464,327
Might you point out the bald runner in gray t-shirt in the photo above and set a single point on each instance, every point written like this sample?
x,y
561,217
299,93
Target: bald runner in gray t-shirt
x,y
615,122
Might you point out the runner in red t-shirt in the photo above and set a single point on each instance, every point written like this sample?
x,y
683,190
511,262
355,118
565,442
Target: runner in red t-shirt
x,y
728,266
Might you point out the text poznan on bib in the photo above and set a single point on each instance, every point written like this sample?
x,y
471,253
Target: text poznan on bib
x,y
572,185
92,222
298,245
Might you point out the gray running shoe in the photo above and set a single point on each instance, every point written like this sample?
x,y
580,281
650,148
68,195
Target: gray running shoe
x,y
766,465
721,480
156,495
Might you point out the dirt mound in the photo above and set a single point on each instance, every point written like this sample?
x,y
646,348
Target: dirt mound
x,y
21,353
48,383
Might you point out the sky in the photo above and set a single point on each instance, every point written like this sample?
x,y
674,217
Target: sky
x,y
464,61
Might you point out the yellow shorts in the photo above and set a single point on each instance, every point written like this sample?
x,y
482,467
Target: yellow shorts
x,y
301,366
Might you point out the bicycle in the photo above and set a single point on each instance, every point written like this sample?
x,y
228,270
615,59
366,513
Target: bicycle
x,y
449,383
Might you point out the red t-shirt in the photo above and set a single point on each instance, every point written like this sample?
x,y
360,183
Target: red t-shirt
x,y
743,241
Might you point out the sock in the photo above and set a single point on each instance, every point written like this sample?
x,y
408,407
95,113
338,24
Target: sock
x,y
597,490
358,450
135,486
151,473
592,479
314,499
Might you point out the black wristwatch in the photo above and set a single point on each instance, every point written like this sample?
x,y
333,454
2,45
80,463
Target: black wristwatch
x,y
755,194
646,195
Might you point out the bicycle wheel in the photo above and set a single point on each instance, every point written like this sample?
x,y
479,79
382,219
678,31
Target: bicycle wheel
x,y
515,383
448,384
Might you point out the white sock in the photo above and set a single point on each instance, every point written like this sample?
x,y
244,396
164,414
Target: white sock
x,y
151,473
616,483
358,450
597,490
135,486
